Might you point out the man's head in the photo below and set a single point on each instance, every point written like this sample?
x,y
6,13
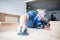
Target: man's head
x,y
42,13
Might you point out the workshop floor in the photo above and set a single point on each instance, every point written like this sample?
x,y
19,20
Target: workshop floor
x,y
10,33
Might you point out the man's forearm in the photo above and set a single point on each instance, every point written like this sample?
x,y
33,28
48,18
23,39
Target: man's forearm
x,y
23,19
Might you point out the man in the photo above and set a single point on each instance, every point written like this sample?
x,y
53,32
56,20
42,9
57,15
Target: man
x,y
30,16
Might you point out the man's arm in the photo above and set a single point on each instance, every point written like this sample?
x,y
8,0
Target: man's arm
x,y
23,19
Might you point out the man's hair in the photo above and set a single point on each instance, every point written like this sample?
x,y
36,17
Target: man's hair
x,y
42,12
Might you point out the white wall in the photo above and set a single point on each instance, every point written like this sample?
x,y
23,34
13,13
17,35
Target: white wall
x,y
29,0
16,7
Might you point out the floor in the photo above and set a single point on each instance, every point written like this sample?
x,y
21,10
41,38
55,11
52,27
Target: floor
x,y
10,33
